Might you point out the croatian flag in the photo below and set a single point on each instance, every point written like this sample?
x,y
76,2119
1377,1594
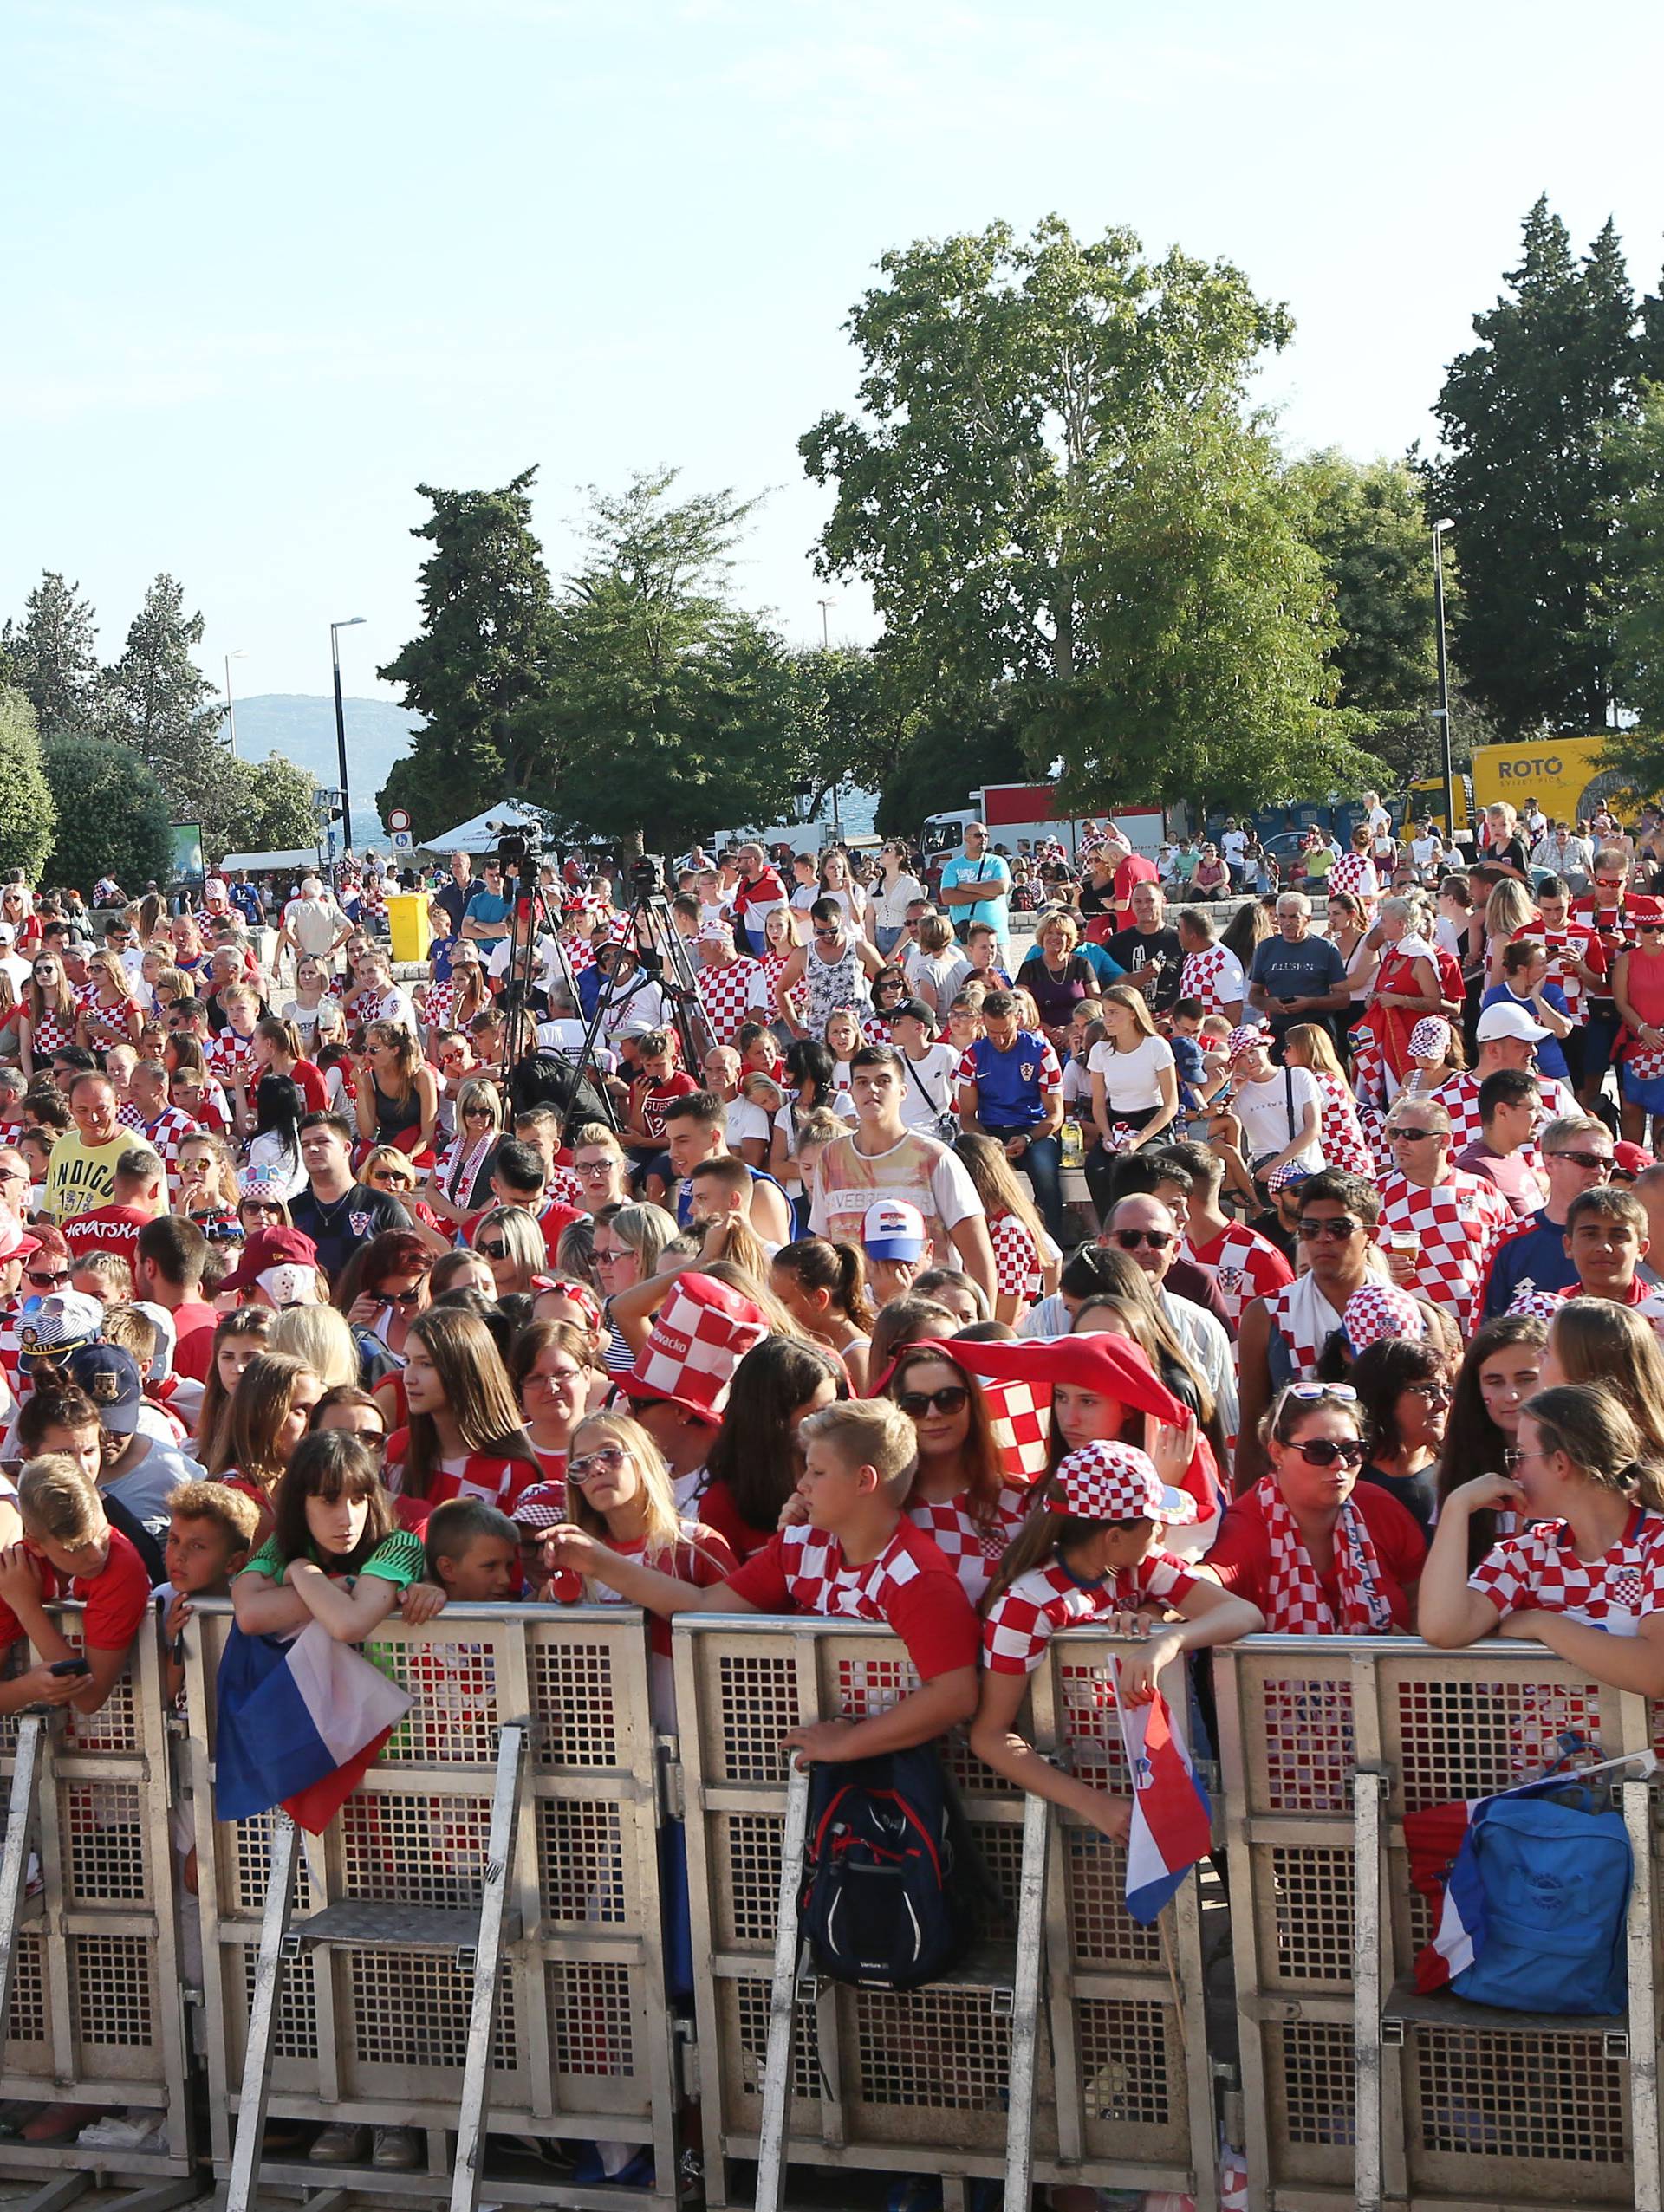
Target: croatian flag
x,y
300,1723
1173,1823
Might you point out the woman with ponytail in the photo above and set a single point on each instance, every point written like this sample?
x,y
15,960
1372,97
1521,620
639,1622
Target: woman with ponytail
x,y
1585,1577
822,1285
1091,1549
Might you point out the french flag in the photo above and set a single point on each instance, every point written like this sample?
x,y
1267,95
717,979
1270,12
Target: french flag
x,y
1445,1868
1172,1822
299,1724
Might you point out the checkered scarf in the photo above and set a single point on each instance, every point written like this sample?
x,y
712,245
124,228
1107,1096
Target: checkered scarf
x,y
1298,1605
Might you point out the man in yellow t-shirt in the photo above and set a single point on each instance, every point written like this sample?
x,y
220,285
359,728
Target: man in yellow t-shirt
x,y
82,1172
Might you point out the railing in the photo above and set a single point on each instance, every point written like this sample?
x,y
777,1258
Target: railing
x,y
477,1944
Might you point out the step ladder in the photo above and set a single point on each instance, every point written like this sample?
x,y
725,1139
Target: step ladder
x,y
478,1938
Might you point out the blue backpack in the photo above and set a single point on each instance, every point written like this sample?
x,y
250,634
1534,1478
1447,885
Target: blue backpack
x,y
1550,1877
879,1904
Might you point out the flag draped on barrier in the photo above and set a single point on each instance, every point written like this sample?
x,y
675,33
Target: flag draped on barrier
x,y
300,1722
1173,1823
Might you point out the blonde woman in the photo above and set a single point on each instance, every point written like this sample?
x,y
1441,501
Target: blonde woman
x,y
1134,1084
50,1016
463,1176
1308,1045
1509,910
512,1244
111,1015
1058,975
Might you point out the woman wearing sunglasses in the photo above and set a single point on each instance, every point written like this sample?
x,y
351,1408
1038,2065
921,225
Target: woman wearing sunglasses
x,y
50,1015
383,1288
1404,1394
463,1176
960,1495
1318,1553
511,1245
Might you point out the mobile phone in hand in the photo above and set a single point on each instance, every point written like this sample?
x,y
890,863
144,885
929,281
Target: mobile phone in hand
x,y
70,1666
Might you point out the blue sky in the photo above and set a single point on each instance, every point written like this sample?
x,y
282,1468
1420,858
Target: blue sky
x,y
270,265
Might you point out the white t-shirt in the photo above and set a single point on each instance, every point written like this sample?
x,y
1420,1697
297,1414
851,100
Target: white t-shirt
x,y
934,1076
743,1119
804,897
1264,1109
1233,845
890,907
1424,851
853,903
1131,1079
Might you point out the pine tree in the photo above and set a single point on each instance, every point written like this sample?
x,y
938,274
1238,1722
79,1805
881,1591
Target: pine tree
x,y
1529,479
485,598
160,702
28,816
52,657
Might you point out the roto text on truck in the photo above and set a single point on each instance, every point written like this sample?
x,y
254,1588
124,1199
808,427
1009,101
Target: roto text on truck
x,y
1567,776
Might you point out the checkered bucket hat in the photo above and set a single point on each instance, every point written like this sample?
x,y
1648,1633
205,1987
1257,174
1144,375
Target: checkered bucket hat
x,y
701,1334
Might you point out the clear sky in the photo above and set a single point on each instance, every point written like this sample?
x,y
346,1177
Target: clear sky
x,y
270,265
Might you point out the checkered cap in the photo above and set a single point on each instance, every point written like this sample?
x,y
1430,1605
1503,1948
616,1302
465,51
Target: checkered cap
x,y
1381,1310
543,1506
1291,1171
1540,1305
701,1334
1122,1138
1430,1034
1112,1481
1240,1040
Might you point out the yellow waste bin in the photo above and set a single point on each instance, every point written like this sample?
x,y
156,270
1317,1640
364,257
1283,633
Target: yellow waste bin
x,y
408,919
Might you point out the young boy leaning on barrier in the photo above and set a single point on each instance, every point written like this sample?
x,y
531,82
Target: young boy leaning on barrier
x,y
473,1551
69,1550
856,1557
211,1532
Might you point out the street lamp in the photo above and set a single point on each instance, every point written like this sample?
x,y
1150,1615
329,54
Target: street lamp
x,y
1442,711
335,628
230,709
825,605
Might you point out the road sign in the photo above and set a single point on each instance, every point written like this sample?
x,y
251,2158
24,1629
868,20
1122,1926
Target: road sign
x,y
399,820
401,840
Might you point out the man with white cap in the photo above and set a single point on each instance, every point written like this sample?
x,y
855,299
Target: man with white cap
x,y
1507,1037
313,924
733,989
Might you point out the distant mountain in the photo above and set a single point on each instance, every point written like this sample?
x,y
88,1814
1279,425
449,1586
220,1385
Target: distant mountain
x,y
302,728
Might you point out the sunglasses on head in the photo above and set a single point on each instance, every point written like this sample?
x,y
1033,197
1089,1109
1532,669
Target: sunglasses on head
x,y
1131,1239
606,1460
1342,1227
915,1403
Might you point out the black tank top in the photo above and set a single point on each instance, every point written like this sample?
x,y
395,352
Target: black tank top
x,y
393,1116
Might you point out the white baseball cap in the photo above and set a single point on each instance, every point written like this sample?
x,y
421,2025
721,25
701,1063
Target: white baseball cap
x,y
1507,1022
892,1229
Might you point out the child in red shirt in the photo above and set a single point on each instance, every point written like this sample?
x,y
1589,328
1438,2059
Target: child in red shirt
x,y
856,1557
70,1550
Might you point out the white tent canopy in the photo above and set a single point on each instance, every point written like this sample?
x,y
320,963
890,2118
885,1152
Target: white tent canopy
x,y
480,833
258,864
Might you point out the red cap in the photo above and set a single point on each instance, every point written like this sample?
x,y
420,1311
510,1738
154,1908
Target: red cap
x,y
1634,1159
271,1248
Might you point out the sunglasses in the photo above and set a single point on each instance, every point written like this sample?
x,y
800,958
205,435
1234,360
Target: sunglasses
x,y
606,1461
1131,1240
915,1403
492,1251
47,1282
1435,1393
1598,1162
406,1299
1325,1451
1338,1230
1410,1135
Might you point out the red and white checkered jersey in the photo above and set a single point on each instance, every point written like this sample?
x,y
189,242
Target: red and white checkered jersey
x,y
230,1056
1538,1570
1017,1258
773,966
909,1585
1245,1266
437,1002
1460,1099
972,1548
163,1135
1575,942
1343,1137
1354,872
52,1034
1456,1225
11,1316
732,996
1214,976
579,954
1023,1619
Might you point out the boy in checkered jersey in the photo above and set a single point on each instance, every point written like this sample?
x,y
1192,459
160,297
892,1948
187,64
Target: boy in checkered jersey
x,y
1091,1550
857,1557
1585,1576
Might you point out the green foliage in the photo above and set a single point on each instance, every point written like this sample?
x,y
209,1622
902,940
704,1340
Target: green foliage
x,y
485,605
1004,383
1531,476
954,753
1638,562
28,815
665,713
113,816
282,806
52,657
1208,627
852,722
1370,527
159,701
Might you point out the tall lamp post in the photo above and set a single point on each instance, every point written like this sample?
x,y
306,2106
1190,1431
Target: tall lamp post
x,y
336,629
230,707
825,605
1442,711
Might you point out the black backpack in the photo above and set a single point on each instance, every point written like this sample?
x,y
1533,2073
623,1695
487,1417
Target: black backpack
x,y
879,1904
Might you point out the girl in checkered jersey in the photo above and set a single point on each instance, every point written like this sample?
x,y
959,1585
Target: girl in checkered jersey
x,y
960,1496
1586,1578
1092,1550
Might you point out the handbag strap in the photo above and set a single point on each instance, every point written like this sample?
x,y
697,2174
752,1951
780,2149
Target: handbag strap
x,y
919,1086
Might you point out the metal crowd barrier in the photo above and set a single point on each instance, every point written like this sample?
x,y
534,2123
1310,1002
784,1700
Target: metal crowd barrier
x,y
476,1945
1356,2090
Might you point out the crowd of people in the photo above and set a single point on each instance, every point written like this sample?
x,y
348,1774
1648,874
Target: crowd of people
x,y
1199,1280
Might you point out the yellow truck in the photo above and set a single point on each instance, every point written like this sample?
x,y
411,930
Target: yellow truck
x,y
1563,774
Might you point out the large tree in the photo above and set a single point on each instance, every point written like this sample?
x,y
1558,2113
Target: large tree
x,y
28,815
853,721
485,603
1368,525
1638,562
1529,477
113,816
957,748
52,657
159,701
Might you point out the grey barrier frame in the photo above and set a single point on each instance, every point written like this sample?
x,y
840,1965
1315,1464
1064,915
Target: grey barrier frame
x,y
404,1888
1044,2000
1357,2091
